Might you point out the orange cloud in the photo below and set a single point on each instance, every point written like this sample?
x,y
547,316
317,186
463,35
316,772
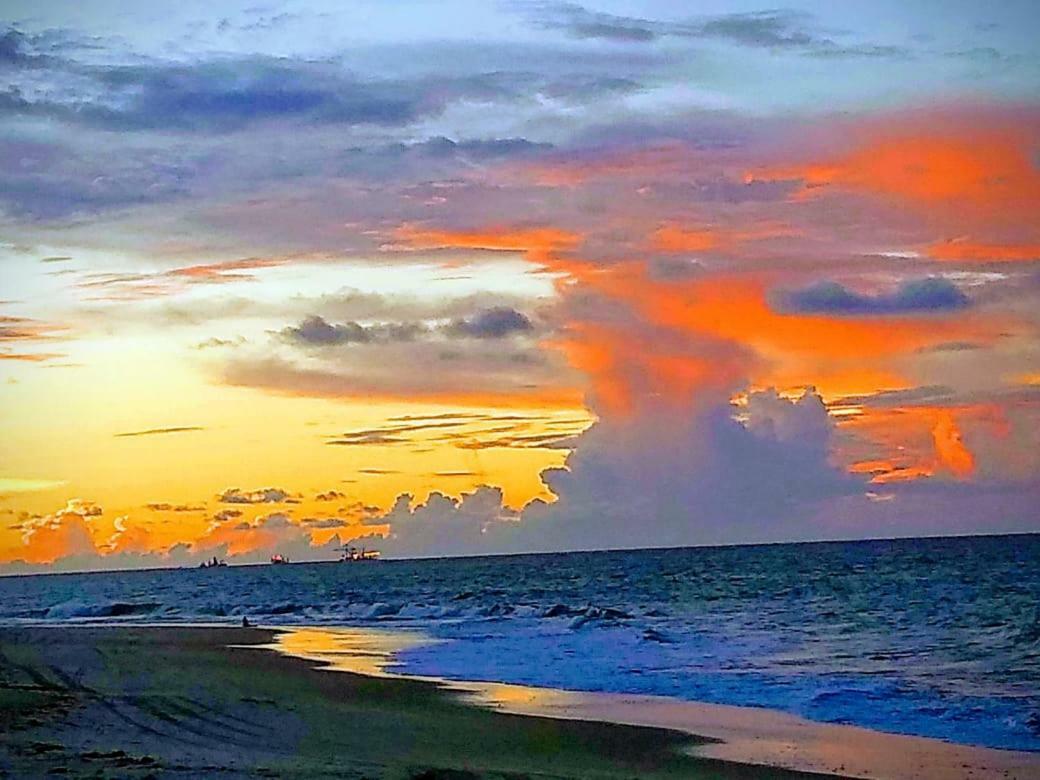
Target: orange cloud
x,y
47,538
227,271
955,166
673,238
738,310
980,167
922,441
537,243
287,380
962,249
710,333
949,448
30,357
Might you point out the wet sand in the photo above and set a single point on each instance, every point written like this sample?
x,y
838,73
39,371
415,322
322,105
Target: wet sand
x,y
170,701
187,702
739,734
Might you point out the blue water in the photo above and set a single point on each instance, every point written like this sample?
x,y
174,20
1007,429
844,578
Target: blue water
x,y
937,637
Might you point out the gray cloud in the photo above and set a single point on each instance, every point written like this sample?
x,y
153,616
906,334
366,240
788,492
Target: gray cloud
x,y
655,480
757,28
222,95
316,331
494,323
770,29
157,431
324,522
261,496
933,294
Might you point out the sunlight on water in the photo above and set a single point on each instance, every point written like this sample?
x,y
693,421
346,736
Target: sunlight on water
x,y
373,652
360,651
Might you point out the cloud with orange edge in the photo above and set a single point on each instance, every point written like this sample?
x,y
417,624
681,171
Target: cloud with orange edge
x,y
537,242
967,250
984,168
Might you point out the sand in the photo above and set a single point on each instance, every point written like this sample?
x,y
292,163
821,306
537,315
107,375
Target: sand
x,y
182,702
188,702
745,735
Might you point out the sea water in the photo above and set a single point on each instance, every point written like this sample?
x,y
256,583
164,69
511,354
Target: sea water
x,y
933,637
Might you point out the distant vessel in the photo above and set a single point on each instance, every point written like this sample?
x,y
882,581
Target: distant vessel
x,y
352,554
214,563
279,559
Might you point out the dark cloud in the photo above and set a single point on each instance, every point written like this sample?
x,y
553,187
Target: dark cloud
x,y
224,94
361,438
390,434
157,431
21,50
494,323
921,295
324,522
926,395
481,149
769,29
12,44
330,495
261,496
551,440
758,28
316,331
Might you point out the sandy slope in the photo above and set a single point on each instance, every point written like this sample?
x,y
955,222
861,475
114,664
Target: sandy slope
x,y
182,702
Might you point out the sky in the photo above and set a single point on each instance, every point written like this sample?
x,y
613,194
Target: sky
x,y
477,277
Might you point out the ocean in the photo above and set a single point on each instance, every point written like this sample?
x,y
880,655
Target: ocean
x,y
932,637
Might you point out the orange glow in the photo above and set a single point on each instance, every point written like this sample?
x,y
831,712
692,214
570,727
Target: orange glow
x,y
537,243
30,357
885,471
737,309
731,333
228,271
520,398
949,448
922,441
986,168
973,251
672,238
675,238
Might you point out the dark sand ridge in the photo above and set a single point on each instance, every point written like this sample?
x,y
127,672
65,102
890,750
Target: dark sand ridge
x,y
140,702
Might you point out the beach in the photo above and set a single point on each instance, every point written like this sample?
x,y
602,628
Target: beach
x,y
190,701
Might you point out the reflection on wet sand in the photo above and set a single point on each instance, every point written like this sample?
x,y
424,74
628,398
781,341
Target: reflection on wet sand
x,y
743,734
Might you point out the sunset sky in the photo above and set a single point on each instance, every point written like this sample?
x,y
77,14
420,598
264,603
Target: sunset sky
x,y
492,277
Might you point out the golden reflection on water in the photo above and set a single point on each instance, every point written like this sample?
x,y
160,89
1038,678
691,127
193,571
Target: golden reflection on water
x,y
373,652
361,651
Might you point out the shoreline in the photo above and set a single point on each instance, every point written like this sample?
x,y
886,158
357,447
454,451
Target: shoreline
x,y
173,701
745,735
316,702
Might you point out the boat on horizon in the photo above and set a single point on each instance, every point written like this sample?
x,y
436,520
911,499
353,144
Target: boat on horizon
x,y
351,554
214,563
278,559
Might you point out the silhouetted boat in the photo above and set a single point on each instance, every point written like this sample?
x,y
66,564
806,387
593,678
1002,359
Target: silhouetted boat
x,y
279,559
212,564
352,554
